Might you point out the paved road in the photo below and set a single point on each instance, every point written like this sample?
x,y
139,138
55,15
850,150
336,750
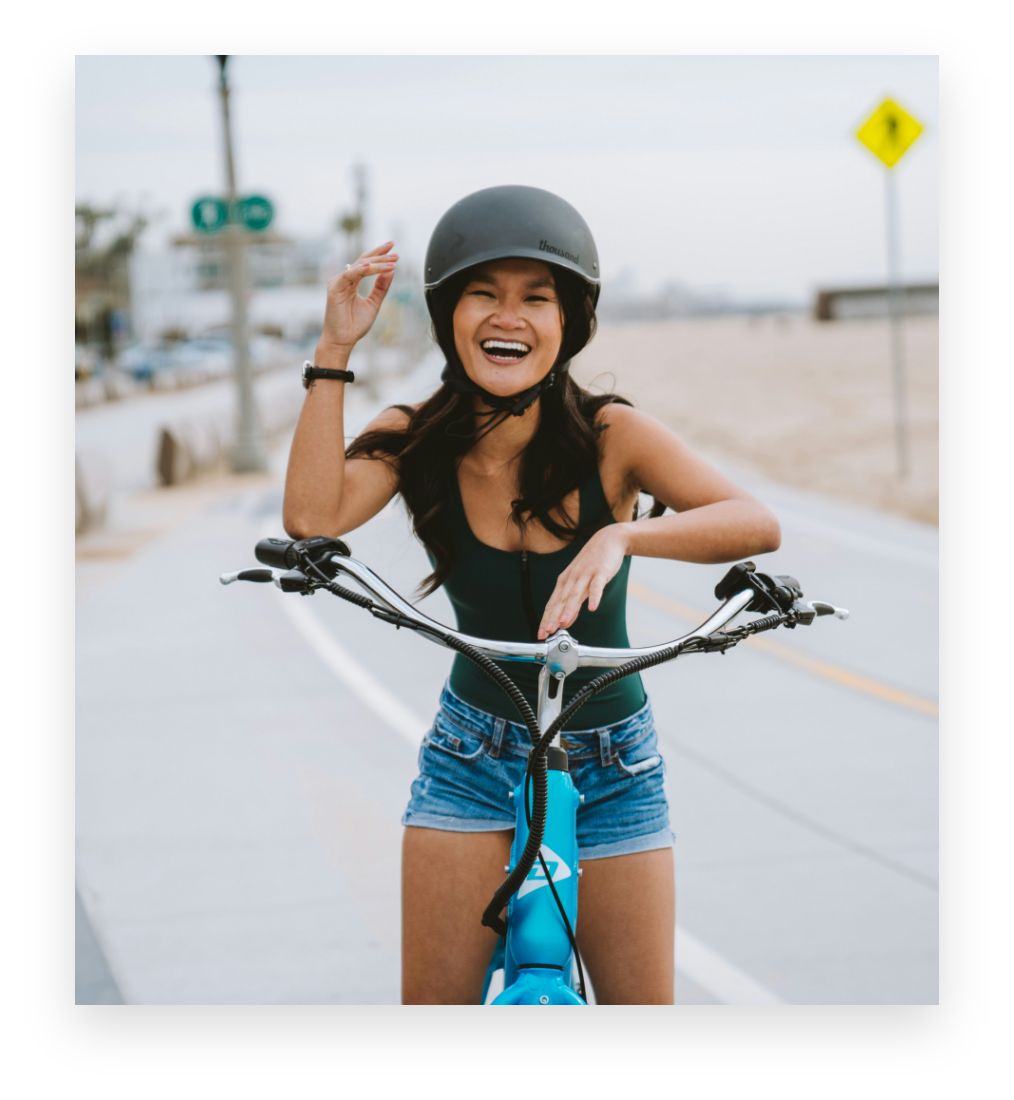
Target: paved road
x,y
239,803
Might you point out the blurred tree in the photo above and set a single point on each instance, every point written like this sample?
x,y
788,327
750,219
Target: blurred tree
x,y
351,224
92,257
104,239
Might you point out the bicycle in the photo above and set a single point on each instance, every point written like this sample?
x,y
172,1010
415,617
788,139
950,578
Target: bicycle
x,y
537,948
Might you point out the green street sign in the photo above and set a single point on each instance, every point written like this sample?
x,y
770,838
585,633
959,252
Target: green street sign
x,y
209,214
254,212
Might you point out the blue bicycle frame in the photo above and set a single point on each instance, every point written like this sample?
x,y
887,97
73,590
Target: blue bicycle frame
x,y
536,934
537,954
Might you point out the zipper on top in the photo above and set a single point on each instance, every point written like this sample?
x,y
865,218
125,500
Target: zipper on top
x,y
526,596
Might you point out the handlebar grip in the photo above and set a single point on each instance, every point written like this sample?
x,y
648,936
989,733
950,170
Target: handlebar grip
x,y
276,552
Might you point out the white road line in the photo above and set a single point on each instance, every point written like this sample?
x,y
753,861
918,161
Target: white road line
x,y
725,982
696,960
845,536
352,673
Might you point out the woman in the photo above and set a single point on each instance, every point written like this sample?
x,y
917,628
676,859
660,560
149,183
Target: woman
x,y
523,488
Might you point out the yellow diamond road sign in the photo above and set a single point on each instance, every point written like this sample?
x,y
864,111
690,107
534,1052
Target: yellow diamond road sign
x,y
889,132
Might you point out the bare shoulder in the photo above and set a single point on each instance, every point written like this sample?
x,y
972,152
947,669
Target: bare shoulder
x,y
627,429
392,419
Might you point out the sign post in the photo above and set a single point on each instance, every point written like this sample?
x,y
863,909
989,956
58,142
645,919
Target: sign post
x,y
888,133
248,455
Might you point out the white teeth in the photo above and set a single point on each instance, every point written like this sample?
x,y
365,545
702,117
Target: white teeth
x,y
490,344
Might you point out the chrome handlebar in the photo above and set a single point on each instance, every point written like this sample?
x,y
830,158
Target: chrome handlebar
x,y
561,653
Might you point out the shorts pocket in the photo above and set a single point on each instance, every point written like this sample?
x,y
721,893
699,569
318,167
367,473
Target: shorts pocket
x,y
454,740
639,758
641,766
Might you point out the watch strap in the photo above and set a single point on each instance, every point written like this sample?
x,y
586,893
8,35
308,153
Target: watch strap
x,y
311,373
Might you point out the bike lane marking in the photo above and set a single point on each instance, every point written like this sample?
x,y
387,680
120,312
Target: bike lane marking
x,y
716,975
824,669
695,959
352,673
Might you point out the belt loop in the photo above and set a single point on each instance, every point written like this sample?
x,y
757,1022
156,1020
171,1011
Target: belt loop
x,y
605,749
499,725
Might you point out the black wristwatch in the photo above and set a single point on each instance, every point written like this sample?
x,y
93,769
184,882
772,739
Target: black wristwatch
x,y
311,373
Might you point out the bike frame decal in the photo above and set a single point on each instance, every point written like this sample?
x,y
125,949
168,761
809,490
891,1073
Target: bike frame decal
x,y
558,869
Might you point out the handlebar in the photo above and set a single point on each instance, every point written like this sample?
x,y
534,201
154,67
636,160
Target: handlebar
x,y
742,589
310,564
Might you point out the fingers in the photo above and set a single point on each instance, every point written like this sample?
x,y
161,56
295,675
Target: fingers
x,y
551,615
379,250
363,269
354,274
381,286
584,579
565,603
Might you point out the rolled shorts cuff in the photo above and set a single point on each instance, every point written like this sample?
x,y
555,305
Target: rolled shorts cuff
x,y
664,838
456,824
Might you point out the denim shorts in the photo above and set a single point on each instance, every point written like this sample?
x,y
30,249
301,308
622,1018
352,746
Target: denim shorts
x,y
470,761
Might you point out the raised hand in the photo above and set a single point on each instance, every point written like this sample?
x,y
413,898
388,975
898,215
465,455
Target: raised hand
x,y
349,315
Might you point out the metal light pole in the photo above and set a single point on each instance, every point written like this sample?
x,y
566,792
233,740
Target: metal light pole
x,y
896,303
359,174
888,133
248,454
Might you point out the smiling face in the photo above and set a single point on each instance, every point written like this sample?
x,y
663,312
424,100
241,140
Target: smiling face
x,y
508,325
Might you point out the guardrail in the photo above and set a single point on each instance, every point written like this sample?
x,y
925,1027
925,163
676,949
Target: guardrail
x,y
115,384
193,445
93,479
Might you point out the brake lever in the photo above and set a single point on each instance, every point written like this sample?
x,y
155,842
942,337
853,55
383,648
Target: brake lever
x,y
821,608
258,576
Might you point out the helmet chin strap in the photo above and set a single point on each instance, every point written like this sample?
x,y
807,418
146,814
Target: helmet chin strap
x,y
515,404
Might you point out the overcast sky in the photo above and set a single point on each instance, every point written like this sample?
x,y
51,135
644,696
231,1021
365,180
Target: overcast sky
x,y
740,173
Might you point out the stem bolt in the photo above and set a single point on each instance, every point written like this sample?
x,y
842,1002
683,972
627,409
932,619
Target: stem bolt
x,y
560,675
564,646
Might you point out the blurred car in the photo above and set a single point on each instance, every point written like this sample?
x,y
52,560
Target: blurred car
x,y
207,357
143,360
212,356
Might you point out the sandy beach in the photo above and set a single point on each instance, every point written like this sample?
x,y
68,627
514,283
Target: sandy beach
x,y
808,403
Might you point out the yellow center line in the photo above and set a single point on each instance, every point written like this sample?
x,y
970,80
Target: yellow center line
x,y
786,653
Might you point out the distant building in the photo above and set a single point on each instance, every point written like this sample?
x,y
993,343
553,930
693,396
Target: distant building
x,y
621,301
183,291
854,303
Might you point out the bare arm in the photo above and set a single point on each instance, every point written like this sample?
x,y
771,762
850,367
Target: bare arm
x,y
324,495
715,520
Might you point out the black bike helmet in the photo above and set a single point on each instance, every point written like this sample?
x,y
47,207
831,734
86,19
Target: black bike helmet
x,y
509,222
499,223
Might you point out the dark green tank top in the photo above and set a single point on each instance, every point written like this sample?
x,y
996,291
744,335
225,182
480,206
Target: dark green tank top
x,y
494,593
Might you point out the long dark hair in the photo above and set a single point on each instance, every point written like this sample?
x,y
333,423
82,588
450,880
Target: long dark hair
x,y
561,454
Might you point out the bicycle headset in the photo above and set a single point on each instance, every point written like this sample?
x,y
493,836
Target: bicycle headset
x,y
509,222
